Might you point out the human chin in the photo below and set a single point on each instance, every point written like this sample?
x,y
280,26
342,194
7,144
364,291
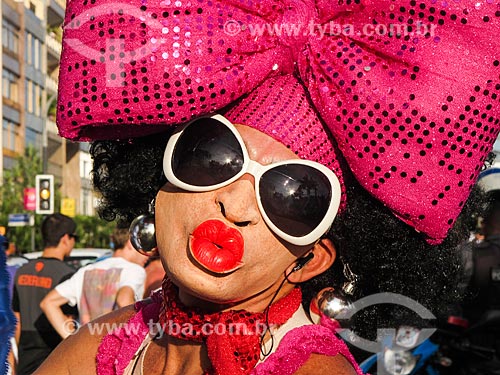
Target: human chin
x,y
199,289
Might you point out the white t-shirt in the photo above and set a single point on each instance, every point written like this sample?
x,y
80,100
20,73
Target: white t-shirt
x,y
94,287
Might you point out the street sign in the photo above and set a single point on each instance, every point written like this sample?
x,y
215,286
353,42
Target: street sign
x,y
68,207
30,199
19,220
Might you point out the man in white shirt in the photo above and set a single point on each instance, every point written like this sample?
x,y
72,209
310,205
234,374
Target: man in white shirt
x,y
100,287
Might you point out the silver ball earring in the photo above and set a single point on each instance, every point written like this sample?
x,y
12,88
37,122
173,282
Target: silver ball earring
x,y
143,234
333,302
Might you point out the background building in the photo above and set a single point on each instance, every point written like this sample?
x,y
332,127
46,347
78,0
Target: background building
x,y
31,49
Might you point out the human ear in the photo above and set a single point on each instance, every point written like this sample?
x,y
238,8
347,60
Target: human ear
x,y
324,256
64,239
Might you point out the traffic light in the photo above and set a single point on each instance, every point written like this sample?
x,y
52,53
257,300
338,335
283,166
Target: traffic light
x,y
44,194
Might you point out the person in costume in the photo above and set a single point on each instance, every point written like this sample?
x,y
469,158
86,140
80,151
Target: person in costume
x,y
294,163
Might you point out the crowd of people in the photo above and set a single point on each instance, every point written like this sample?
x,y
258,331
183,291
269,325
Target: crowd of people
x,y
51,300
279,172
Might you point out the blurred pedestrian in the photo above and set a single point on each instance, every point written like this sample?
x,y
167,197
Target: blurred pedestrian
x,y
154,275
35,336
485,280
7,322
100,287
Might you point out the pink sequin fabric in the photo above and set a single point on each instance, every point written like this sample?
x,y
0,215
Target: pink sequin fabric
x,y
117,349
298,345
408,89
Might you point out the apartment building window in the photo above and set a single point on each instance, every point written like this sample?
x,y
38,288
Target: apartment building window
x,y
37,55
10,85
37,94
10,134
85,202
33,138
27,49
33,51
10,36
28,96
33,98
86,169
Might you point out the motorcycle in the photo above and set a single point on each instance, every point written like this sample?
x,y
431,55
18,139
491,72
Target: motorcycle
x,y
454,349
401,355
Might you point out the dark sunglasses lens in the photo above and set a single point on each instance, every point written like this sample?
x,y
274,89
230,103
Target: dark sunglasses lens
x,y
295,197
207,153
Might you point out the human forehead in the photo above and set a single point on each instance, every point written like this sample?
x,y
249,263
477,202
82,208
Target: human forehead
x,y
263,148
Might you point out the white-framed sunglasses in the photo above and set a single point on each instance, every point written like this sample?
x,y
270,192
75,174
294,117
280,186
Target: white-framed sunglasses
x,y
298,199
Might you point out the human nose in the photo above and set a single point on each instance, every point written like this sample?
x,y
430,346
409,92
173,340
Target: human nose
x,y
238,203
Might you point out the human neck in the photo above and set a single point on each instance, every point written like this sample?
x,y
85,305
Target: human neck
x,y
126,253
119,253
255,304
53,252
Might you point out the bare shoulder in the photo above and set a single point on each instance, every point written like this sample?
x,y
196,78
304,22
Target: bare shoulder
x,y
77,353
321,364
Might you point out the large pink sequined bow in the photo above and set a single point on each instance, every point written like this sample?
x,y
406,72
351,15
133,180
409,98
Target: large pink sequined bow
x,y
409,89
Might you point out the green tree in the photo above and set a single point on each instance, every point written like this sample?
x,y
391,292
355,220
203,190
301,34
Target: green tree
x,y
21,176
92,231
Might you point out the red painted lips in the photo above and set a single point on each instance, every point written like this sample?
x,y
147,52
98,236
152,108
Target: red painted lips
x,y
217,247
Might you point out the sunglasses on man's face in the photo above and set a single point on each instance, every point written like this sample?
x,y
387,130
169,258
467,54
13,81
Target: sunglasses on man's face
x,y
298,199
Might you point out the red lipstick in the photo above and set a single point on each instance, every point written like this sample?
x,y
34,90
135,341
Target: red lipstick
x,y
217,247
